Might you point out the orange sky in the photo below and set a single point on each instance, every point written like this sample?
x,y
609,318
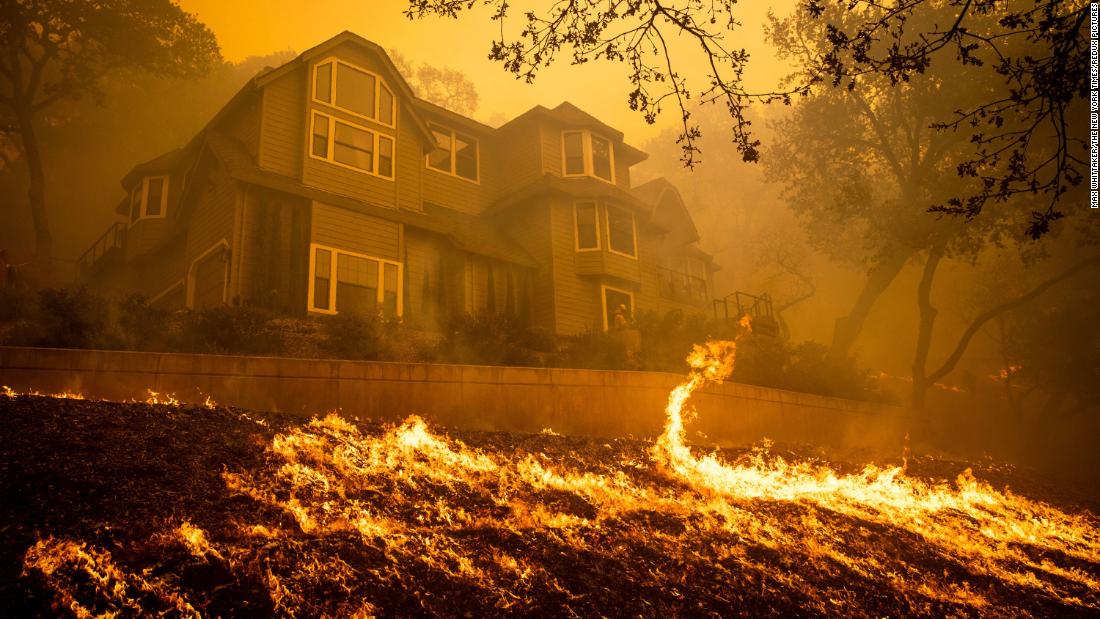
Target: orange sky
x,y
252,27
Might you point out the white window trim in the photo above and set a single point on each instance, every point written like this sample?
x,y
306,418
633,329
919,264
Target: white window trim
x,y
586,151
222,245
633,227
603,302
577,231
378,83
333,251
331,149
143,206
454,159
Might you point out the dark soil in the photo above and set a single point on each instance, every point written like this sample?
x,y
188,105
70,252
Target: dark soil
x,y
116,477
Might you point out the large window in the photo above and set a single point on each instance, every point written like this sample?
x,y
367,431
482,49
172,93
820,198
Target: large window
x,y
149,198
586,222
354,90
342,281
351,146
587,154
618,308
621,232
455,153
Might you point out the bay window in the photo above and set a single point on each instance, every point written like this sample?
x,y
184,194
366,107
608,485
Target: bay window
x,y
587,154
149,198
363,284
621,232
586,222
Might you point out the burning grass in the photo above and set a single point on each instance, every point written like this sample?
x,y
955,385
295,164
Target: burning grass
x,y
168,509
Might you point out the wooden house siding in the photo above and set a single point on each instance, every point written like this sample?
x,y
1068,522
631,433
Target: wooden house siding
x,y
529,226
576,298
549,143
274,251
212,218
341,228
282,128
209,284
425,303
519,158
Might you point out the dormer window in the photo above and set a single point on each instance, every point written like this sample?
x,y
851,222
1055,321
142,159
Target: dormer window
x,y
455,153
149,198
587,154
354,90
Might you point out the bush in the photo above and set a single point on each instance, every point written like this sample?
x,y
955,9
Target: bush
x,y
142,326
70,319
228,330
355,336
16,303
492,339
596,350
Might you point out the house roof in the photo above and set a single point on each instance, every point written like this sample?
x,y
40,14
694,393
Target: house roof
x,y
468,232
580,187
570,115
655,192
350,37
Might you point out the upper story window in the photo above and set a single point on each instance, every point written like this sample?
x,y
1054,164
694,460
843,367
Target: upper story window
x,y
622,232
586,223
587,154
354,90
455,153
351,146
149,198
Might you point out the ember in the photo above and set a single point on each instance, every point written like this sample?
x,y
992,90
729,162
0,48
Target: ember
x,y
208,510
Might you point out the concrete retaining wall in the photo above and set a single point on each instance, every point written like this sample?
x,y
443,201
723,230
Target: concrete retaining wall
x,y
579,402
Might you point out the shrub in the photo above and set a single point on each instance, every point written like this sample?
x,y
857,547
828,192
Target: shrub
x,y
491,339
596,350
228,330
142,326
70,318
16,303
355,336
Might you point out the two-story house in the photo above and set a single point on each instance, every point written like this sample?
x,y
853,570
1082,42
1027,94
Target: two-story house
x,y
325,185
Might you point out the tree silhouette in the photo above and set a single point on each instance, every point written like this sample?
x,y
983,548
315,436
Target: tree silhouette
x,y
61,50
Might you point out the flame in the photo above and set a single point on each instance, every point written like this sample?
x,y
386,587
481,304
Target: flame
x,y
159,398
357,513
76,572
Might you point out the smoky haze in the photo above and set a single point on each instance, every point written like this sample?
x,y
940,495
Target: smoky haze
x,y
808,225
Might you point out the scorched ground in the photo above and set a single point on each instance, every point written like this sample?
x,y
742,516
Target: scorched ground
x,y
168,509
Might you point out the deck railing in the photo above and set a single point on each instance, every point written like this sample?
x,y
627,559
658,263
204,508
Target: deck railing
x,y
111,240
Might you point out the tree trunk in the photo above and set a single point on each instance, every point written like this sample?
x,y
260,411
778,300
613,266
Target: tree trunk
x,y
925,327
848,327
36,192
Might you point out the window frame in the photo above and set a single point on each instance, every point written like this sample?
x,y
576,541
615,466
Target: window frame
x,y
143,204
577,230
603,303
454,152
586,152
633,228
334,275
379,83
331,150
